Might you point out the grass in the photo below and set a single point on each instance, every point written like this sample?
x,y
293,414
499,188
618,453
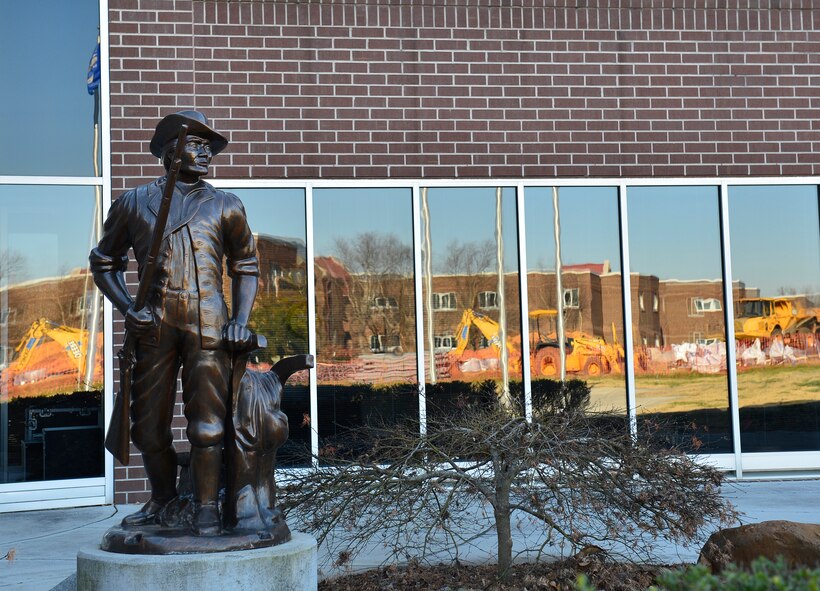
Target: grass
x,y
685,390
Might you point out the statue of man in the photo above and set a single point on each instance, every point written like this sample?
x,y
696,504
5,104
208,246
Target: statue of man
x,y
185,323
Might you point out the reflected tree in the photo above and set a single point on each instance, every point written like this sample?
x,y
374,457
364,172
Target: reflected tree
x,y
469,263
12,266
381,302
281,315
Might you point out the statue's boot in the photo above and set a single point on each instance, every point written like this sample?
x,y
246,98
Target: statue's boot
x,y
161,468
206,463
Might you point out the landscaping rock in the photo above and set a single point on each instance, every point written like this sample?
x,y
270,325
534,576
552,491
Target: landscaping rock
x,y
797,543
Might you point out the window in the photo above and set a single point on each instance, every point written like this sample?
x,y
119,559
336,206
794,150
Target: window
x,y
444,301
709,304
384,302
655,302
772,256
488,299
7,315
572,298
5,356
67,37
380,343
666,261
445,342
697,306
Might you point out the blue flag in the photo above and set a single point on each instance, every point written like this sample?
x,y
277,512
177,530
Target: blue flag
x,y
93,79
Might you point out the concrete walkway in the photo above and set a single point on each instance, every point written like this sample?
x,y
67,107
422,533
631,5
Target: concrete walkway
x,y
44,544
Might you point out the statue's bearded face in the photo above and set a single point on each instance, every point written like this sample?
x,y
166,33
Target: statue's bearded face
x,y
196,156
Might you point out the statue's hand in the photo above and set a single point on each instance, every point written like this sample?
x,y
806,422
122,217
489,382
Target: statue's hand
x,y
237,336
139,323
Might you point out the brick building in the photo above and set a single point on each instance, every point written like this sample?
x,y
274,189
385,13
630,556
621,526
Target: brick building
x,y
667,129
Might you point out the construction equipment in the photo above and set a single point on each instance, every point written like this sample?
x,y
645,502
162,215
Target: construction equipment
x,y
773,317
589,355
50,357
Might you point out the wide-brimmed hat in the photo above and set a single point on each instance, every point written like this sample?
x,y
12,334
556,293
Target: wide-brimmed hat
x,y
198,125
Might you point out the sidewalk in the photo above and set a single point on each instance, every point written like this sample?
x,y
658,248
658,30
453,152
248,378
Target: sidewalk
x,y
45,543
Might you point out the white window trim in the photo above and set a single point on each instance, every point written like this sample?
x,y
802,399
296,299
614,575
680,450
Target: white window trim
x,y
451,298
86,491
488,295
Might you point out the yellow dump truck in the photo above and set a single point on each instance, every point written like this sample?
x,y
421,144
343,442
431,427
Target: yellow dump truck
x,y
772,317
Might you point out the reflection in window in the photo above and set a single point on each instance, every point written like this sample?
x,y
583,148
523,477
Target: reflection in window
x,y
365,311
590,303
444,301
46,83
52,368
471,303
488,299
681,379
572,298
280,309
776,273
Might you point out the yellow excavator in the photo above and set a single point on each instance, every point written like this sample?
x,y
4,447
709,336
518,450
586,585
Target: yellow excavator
x,y
71,339
50,357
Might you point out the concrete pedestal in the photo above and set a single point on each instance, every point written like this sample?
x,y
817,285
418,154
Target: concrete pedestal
x,y
290,566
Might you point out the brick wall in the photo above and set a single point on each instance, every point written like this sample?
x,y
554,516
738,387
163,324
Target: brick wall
x,y
394,88
469,89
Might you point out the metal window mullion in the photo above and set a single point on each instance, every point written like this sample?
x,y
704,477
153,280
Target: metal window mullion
x,y
626,282
108,308
524,301
419,311
311,321
728,314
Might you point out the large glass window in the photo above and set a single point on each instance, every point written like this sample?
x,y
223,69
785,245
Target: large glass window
x,y
277,220
51,334
680,347
588,295
776,273
47,118
470,292
365,311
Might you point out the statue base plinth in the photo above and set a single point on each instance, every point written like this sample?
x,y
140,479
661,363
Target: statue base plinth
x,y
291,566
154,539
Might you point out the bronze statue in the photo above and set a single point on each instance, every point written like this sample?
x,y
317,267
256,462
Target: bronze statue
x,y
180,319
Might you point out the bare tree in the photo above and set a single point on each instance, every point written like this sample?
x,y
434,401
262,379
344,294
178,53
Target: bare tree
x,y
469,263
12,265
580,477
380,265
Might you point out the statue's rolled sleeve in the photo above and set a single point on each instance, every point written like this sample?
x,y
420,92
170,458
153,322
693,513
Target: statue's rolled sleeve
x,y
111,254
103,263
247,266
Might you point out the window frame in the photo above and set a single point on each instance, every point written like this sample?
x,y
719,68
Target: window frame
x,y
728,461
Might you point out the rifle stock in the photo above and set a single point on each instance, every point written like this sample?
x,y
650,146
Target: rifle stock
x,y
118,438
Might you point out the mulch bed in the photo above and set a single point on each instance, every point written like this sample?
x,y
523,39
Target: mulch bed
x,y
542,576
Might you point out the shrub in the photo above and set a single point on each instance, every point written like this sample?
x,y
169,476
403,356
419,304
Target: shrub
x,y
764,576
420,493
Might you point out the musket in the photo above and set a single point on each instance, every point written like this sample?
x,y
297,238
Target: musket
x,y
118,438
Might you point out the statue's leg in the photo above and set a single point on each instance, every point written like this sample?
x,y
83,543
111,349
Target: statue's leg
x,y
205,392
154,393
